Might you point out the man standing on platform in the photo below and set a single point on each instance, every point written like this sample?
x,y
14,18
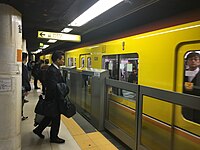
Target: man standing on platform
x,y
52,114
26,87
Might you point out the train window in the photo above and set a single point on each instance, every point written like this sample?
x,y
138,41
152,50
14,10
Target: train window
x,y
74,61
82,61
129,68
89,62
124,68
128,72
191,83
70,61
111,63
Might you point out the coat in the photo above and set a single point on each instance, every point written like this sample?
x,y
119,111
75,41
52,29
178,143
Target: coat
x,y
53,77
25,80
196,82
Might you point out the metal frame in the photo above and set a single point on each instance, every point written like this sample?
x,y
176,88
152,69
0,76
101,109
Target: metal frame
x,y
130,87
182,99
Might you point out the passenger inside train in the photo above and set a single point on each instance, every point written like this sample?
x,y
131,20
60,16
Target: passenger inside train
x,y
192,84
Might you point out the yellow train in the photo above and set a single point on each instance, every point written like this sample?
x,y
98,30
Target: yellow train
x,y
158,60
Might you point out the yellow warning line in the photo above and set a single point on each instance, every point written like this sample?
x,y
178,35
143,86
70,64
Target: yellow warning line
x,y
94,140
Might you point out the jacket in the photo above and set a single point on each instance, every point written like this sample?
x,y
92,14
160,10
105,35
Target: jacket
x,y
25,80
53,77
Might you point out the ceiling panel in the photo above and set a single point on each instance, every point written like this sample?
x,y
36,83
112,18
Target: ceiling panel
x,y
54,15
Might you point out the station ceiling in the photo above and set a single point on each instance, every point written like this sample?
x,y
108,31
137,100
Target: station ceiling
x,y
54,15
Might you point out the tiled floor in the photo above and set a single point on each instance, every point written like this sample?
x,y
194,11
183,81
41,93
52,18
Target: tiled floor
x,y
31,142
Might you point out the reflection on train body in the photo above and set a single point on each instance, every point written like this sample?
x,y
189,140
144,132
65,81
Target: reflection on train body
x,y
155,59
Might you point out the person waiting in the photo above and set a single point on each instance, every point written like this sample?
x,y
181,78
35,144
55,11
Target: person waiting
x,y
43,69
36,73
26,87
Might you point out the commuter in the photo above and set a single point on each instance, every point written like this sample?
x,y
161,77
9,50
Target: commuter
x,y
192,84
133,77
29,67
36,73
44,68
25,82
53,76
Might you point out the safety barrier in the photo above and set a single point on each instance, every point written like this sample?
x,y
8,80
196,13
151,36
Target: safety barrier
x,y
139,117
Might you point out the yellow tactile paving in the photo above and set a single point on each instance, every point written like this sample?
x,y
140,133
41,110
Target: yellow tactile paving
x,y
107,147
98,139
72,126
84,141
90,141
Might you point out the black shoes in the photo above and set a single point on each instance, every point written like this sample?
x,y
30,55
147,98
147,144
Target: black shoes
x,y
24,118
57,140
54,140
38,134
26,101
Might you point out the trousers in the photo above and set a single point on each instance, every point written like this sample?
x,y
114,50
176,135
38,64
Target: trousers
x,y
55,125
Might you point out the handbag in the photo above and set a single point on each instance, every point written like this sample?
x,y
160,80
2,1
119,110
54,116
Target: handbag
x,y
39,108
67,108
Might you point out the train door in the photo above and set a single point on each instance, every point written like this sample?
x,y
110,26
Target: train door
x,y
128,72
74,61
88,61
82,61
70,61
110,62
187,120
85,61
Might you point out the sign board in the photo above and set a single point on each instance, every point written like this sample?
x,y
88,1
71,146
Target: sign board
x,y
129,67
59,36
5,84
19,55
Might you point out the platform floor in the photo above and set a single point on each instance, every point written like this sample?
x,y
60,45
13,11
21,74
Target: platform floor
x,y
76,131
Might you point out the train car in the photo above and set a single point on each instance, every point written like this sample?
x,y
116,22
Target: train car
x,y
44,57
154,59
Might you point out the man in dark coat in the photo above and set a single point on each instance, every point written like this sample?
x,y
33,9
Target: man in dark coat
x,y
25,81
52,114
192,85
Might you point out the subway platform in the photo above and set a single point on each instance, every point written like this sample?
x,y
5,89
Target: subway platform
x,y
77,132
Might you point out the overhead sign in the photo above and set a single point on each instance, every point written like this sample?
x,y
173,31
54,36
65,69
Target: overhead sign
x,y
59,36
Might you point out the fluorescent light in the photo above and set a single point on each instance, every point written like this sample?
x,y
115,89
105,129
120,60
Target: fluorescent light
x,y
51,41
45,46
38,51
94,11
66,30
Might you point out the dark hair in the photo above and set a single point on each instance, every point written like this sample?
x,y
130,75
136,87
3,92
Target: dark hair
x,y
24,56
46,61
193,54
42,61
57,55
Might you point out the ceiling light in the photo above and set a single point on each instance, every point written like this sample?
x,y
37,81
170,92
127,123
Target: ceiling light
x,y
38,51
66,30
51,41
94,11
45,46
